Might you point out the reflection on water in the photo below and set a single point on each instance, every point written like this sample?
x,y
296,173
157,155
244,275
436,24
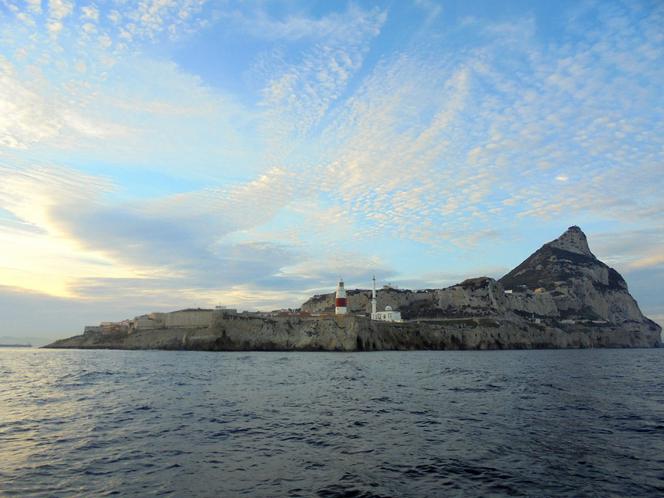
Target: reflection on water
x,y
587,422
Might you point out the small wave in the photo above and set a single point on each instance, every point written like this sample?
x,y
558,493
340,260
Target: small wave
x,y
341,491
390,428
474,389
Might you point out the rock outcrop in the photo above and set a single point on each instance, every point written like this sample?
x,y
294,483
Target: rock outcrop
x,y
563,279
561,296
358,333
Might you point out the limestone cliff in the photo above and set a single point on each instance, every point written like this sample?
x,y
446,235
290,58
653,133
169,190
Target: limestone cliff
x,y
357,333
571,283
561,296
562,285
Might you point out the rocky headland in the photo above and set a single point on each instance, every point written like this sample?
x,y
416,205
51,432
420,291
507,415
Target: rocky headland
x,y
561,296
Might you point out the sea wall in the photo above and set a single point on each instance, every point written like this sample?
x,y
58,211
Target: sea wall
x,y
351,333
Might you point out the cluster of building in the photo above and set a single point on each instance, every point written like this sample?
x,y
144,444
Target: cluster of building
x,y
187,318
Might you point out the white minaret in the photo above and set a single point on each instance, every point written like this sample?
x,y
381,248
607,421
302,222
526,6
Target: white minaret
x,y
373,299
340,299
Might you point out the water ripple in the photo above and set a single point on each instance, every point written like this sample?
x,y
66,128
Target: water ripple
x,y
146,423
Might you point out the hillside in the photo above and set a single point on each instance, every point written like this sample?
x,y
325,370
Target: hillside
x,y
561,296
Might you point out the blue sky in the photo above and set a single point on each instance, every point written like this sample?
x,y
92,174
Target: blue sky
x,y
161,154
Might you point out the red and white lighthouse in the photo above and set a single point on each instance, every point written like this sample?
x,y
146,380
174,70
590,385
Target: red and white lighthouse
x,y
340,307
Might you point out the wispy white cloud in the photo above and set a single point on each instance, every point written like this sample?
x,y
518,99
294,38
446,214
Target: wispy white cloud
x,y
136,110
149,18
434,142
31,113
431,7
299,93
630,250
183,241
354,23
545,109
34,6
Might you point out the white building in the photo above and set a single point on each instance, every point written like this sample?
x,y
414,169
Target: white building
x,y
389,315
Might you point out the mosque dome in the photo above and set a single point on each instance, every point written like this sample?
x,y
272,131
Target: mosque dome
x,y
388,308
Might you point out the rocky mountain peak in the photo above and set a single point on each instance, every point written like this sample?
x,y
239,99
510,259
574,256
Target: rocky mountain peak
x,y
580,287
573,240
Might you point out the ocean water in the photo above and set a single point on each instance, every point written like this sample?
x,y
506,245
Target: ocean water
x,y
496,423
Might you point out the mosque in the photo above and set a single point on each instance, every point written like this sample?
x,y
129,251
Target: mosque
x,y
341,305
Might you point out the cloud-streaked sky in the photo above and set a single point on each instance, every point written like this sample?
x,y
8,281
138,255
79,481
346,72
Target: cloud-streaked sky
x,y
161,154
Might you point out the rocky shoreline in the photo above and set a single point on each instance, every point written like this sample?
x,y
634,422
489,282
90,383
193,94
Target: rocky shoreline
x,y
353,333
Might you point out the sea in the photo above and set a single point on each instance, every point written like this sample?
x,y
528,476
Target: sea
x,y
383,424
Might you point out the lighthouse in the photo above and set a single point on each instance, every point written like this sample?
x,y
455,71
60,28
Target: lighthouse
x,y
340,299
373,299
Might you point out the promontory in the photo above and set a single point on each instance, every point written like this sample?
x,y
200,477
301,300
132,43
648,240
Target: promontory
x,y
561,296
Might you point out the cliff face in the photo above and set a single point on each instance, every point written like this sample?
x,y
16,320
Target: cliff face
x,y
561,296
232,333
355,333
574,283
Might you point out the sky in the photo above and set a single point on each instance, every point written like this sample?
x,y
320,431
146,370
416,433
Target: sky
x,y
162,154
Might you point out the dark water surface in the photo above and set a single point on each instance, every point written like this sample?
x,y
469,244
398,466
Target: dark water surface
x,y
98,423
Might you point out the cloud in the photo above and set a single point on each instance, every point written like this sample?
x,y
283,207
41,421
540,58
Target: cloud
x,y
59,9
631,250
37,254
441,148
341,150
30,113
149,18
24,116
34,6
137,110
354,23
432,9
90,12
299,93
92,247
52,317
